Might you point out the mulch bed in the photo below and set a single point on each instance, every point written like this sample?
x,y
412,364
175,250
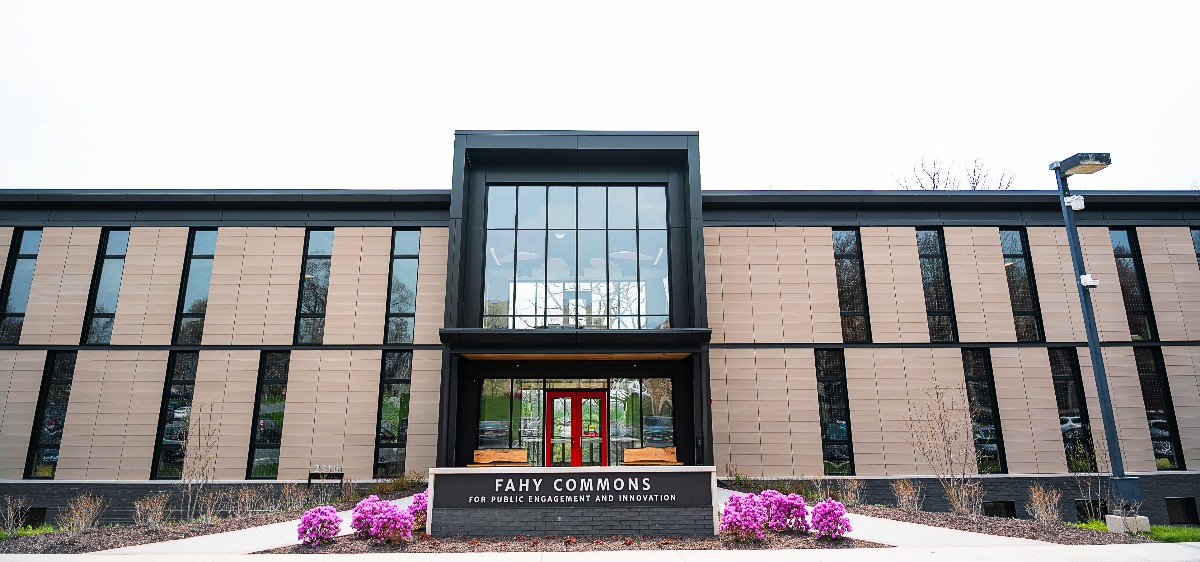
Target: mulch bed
x,y
557,543
1061,533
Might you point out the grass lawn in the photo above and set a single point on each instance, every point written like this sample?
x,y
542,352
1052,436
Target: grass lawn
x,y
25,531
1160,533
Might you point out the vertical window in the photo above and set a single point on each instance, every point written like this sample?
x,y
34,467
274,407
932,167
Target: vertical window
x,y
1160,413
935,279
51,414
565,256
314,287
392,436
193,294
1022,289
268,415
175,415
18,280
402,288
106,286
1072,410
852,285
834,403
985,415
1133,285
1196,243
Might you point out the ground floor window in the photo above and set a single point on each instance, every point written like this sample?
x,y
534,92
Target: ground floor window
x,y
837,445
175,416
392,437
576,422
268,420
51,415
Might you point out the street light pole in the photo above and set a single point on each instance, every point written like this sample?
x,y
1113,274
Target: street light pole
x,y
1124,488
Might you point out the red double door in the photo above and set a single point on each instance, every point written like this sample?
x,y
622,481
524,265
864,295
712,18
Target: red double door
x,y
576,428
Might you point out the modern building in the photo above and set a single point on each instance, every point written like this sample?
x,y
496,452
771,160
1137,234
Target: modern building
x,y
575,294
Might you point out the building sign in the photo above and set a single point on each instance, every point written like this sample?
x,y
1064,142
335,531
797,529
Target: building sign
x,y
489,488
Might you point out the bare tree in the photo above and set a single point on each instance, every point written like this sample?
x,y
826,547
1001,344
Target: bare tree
x,y
199,459
941,434
934,175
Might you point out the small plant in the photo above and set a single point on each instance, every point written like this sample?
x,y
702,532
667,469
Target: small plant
x,y
207,504
829,519
408,481
784,513
852,492
667,541
363,515
1043,505
13,512
909,494
292,497
744,518
739,479
597,541
419,509
81,514
348,490
391,524
570,540
151,510
534,542
628,541
474,542
319,524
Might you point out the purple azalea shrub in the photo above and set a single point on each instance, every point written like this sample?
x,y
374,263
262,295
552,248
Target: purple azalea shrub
x,y
319,524
363,514
744,517
785,513
829,519
391,524
418,509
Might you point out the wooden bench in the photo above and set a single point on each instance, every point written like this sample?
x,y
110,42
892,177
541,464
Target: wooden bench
x,y
500,457
650,456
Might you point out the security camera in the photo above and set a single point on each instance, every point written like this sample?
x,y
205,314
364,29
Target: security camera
x,y
1075,202
1089,282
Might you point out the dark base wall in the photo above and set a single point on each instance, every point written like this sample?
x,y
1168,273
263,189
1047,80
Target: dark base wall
x,y
53,495
654,521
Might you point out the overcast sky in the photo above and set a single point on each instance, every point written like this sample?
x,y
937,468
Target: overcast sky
x,y
837,95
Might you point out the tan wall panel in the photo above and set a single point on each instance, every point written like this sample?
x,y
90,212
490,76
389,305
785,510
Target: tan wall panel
x,y
226,382
982,305
1028,411
1183,376
256,277
1128,406
894,290
1058,294
149,294
112,416
6,235
423,409
19,388
330,413
62,279
1107,303
431,285
1169,259
358,285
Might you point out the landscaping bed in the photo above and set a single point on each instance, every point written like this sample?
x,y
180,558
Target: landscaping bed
x,y
556,543
1060,533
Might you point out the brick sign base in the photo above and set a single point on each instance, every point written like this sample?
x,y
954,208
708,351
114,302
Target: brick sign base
x,y
586,501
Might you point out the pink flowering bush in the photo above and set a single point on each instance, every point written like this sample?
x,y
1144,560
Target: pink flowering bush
x,y
418,509
744,517
391,524
363,514
829,519
319,524
784,513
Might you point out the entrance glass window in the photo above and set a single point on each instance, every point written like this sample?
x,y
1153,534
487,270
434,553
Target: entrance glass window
x,y
576,422
564,256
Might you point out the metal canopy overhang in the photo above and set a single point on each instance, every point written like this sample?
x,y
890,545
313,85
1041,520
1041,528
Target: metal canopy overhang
x,y
555,344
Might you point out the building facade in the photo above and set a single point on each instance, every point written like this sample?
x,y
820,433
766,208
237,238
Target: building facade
x,y
576,294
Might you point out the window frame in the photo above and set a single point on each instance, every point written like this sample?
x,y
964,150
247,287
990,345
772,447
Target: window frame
x,y
262,382
14,256
862,287
302,316
1030,279
387,310
49,378
989,378
1135,254
402,444
948,286
170,381
1075,376
102,259
180,313
838,377
1160,374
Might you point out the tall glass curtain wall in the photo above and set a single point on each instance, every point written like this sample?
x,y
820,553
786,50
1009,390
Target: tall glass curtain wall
x,y
177,416
267,431
395,381
935,280
833,400
1072,410
193,295
1022,290
314,287
18,280
106,287
402,286
512,414
985,415
852,285
587,256
51,415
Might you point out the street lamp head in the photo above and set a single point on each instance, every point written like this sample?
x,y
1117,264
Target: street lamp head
x,y
1083,163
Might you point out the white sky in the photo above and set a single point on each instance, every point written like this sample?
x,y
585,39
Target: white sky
x,y
833,95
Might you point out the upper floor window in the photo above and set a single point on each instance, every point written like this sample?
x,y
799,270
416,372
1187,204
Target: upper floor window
x,y
18,280
193,294
1196,243
935,279
402,287
587,256
1022,290
314,287
852,285
1134,289
106,286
